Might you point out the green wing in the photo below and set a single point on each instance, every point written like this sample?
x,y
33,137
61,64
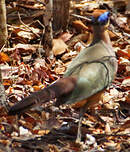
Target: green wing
x,y
94,69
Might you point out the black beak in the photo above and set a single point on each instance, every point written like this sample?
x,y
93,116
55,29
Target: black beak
x,y
89,20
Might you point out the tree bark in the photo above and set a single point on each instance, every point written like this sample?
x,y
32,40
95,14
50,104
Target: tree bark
x,y
58,11
3,25
47,39
60,14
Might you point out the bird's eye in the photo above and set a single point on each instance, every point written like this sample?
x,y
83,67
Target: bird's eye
x,y
103,18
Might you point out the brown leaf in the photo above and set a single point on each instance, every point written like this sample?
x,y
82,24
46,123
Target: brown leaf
x,y
59,47
7,82
65,36
111,145
7,71
120,5
87,5
126,125
36,88
79,25
107,128
25,48
4,57
26,124
112,35
43,132
128,98
69,55
126,81
123,54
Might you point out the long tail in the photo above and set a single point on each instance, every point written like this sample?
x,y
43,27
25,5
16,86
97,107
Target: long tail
x,y
57,89
28,102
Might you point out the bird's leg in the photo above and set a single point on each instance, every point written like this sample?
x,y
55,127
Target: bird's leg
x,y
78,139
81,114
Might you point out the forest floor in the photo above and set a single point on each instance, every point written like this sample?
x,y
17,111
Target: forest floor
x,y
25,69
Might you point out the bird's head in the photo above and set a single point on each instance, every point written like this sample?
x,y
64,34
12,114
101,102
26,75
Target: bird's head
x,y
100,17
97,18
98,22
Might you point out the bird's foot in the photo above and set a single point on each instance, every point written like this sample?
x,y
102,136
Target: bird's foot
x,y
78,139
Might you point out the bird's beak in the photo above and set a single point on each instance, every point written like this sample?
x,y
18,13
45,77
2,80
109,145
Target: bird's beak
x,y
87,19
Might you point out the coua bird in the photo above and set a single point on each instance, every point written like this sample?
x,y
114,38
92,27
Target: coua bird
x,y
86,78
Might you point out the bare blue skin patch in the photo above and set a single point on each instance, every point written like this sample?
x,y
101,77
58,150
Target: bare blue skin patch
x,y
104,17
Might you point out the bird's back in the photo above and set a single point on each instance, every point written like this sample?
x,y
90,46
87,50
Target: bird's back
x,y
94,68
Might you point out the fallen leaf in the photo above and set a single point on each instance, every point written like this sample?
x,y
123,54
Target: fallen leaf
x,y
126,81
43,132
59,47
24,131
79,25
65,36
25,48
107,128
124,54
4,57
126,125
36,88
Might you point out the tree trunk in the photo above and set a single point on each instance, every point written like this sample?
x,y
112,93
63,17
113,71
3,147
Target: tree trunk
x,y
3,25
60,14
59,10
47,39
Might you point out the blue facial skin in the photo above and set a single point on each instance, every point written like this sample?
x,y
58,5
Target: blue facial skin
x,y
102,19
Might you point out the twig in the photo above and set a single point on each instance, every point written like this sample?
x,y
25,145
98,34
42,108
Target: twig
x,y
121,37
27,26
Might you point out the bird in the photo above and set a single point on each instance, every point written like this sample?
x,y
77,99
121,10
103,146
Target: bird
x,y
86,78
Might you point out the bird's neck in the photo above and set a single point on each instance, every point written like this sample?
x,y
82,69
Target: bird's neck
x,y
100,33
